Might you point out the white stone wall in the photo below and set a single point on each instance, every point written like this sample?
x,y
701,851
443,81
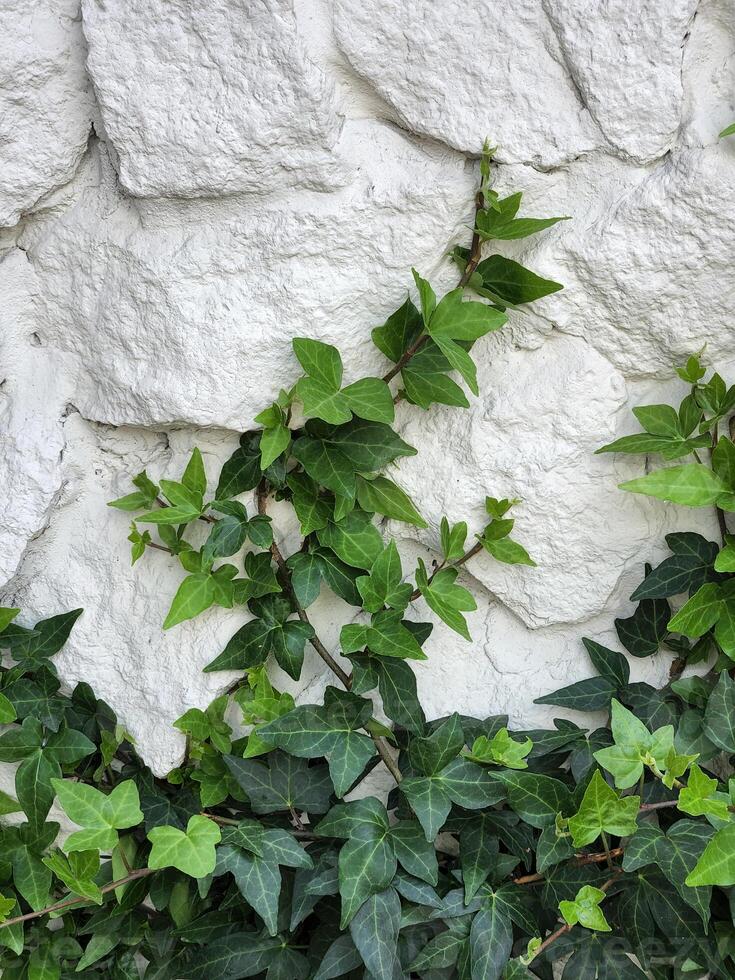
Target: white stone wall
x,y
184,186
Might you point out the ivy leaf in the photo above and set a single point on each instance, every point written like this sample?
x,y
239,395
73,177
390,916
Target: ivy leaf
x,y
501,224
273,442
306,577
399,332
535,798
433,754
101,816
195,594
354,539
366,446
383,496
425,380
602,810
374,931
719,716
387,636
592,694
320,361
491,941
322,402
511,283
700,612
191,851
478,854
397,687
685,571
700,797
282,782
506,550
692,485
310,731
642,633
312,510
501,750
716,866
341,957
47,638
367,865
144,497
242,470
370,398
384,585
445,598
452,539
585,909
194,477
77,871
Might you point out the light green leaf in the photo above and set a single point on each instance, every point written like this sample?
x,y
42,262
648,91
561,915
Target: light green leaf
x,y
101,816
383,496
602,810
195,594
693,485
370,398
585,909
273,442
194,478
445,598
717,864
191,851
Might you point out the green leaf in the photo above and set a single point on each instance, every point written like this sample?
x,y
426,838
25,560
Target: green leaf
x,y
281,782
429,801
341,957
491,941
194,478
535,798
326,465
457,319
322,402
501,750
700,797
101,816
432,754
367,865
719,716
716,866
499,225
33,785
310,731
478,853
354,539
399,331
659,420
452,539
7,711
367,446
445,598
585,909
397,687
77,871
511,283
7,615
427,297
602,810
191,851
374,931
592,694
384,585
507,551
700,613
370,398
414,852
306,577
425,380
728,130
47,638
195,594
693,485
383,496
320,361
273,442
242,471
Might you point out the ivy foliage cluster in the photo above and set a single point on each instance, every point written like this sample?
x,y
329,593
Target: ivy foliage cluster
x,y
608,848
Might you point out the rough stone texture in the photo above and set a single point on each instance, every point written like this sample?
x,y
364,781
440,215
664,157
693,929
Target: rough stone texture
x,y
584,72
206,99
267,169
45,104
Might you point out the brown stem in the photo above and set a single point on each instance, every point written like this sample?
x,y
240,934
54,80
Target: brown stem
x,y
646,807
597,858
159,547
68,903
380,743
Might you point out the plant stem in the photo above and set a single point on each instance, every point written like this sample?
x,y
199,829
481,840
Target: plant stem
x,y
68,903
380,744
474,550
606,846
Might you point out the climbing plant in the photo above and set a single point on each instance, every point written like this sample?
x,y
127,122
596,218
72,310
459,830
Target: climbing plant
x,y
608,847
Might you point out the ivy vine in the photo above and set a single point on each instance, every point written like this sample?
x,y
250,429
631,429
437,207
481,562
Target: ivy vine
x,y
608,848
